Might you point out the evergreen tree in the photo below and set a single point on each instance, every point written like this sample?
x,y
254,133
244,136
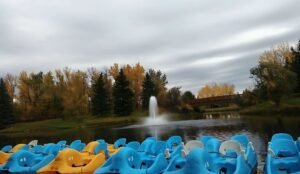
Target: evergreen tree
x,y
148,90
101,99
6,109
295,64
187,97
123,95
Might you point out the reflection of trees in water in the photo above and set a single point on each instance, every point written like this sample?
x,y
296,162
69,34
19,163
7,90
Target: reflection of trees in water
x,y
267,126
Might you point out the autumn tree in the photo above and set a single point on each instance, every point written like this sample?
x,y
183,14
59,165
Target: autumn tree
x,y
52,101
100,101
148,90
123,95
272,76
11,84
74,92
6,109
214,89
30,95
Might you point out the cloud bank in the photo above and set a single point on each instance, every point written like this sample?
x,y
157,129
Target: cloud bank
x,y
194,42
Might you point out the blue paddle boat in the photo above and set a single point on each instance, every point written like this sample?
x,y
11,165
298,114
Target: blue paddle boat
x,y
25,161
283,155
152,156
129,161
234,156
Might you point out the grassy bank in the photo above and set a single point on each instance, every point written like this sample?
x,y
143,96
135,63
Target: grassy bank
x,y
54,126
288,106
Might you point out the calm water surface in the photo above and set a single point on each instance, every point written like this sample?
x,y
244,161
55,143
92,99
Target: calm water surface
x,y
259,130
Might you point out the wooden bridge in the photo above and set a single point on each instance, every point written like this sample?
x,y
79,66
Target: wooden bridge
x,y
216,101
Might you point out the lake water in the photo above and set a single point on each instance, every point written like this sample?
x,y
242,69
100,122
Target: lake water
x,y
258,129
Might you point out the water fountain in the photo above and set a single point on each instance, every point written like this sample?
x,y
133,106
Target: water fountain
x,y
154,118
153,109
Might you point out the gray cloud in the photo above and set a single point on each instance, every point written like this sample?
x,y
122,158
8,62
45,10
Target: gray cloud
x,y
194,42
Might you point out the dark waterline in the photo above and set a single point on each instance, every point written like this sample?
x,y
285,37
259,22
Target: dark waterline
x,y
259,130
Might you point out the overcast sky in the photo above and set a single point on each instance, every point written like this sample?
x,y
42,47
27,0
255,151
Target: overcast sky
x,y
193,42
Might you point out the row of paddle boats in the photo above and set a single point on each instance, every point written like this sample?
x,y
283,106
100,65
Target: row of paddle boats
x,y
207,155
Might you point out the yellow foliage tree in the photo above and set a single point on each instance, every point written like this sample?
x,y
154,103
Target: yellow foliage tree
x,y
214,89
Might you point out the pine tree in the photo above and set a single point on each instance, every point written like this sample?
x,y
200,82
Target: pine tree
x,y
101,99
148,90
123,95
6,109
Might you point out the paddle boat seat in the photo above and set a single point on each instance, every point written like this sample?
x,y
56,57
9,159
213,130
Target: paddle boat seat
x,y
33,143
178,159
191,145
283,155
134,145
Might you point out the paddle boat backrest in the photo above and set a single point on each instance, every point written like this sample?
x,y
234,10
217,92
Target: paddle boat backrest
x,y
231,148
126,158
89,148
101,147
75,142
176,152
51,149
158,147
134,145
158,165
62,143
146,144
242,139
6,148
77,145
212,145
205,138
33,143
120,143
192,145
174,141
101,141
282,136
283,148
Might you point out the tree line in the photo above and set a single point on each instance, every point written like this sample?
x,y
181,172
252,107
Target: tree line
x,y
66,93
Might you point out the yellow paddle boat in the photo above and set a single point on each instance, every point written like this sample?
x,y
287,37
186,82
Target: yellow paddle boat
x,y
71,161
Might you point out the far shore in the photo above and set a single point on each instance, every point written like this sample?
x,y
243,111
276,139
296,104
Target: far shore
x,y
289,107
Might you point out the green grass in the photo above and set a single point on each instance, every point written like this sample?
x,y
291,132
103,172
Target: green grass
x,y
54,126
288,106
